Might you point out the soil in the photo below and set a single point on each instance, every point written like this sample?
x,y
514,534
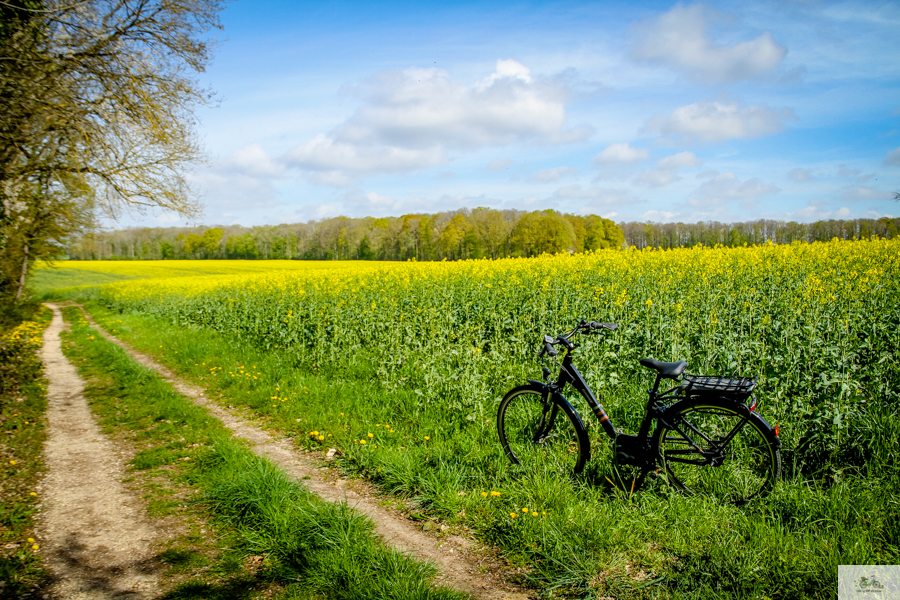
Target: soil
x,y
95,536
462,565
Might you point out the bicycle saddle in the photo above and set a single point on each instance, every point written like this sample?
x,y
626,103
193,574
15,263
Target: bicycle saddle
x,y
666,370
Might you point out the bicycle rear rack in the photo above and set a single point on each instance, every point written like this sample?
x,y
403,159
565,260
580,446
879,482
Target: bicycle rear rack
x,y
738,388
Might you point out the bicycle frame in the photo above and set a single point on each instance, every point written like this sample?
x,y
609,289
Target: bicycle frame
x,y
570,375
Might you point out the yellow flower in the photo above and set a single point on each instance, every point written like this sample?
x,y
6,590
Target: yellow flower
x,y
484,494
534,514
370,435
363,442
525,509
427,438
321,437
512,515
35,547
33,494
12,462
495,493
30,540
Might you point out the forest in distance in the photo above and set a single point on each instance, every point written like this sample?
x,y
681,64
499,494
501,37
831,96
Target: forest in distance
x,y
452,235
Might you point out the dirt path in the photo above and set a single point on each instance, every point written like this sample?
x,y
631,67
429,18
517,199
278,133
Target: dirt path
x,y
460,568
94,535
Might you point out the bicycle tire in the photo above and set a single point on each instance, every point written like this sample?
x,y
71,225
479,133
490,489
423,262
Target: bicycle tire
x,y
532,436
740,457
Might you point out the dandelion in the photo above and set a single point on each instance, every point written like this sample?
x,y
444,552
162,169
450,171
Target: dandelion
x,y
30,540
370,435
35,547
33,494
512,515
427,438
321,437
363,442
12,462
484,494
495,493
534,514
525,509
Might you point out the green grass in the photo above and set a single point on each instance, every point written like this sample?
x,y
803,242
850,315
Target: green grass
x,y
311,549
594,540
48,278
23,404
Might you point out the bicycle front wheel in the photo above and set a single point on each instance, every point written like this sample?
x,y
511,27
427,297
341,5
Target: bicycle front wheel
x,y
541,435
717,448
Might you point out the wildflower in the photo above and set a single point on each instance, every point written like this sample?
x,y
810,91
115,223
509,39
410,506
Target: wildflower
x,y
495,493
321,437
35,547
30,540
512,515
370,435
363,442
427,438
12,462
525,509
484,494
33,494
534,514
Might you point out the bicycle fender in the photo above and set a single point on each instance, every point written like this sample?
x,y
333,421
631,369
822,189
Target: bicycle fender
x,y
541,384
740,407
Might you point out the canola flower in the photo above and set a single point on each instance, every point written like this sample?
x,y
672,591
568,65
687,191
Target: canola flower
x,y
762,311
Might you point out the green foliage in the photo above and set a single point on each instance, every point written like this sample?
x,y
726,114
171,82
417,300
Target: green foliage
x,y
22,435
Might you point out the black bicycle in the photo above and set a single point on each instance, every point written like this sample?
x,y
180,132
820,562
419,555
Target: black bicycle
x,y
708,438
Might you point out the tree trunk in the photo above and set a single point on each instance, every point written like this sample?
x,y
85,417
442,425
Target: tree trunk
x,y
22,276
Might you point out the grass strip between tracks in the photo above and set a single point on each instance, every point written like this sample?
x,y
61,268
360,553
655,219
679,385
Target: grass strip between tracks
x,y
313,549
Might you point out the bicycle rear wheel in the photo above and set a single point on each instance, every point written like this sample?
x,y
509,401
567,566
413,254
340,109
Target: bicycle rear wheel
x,y
541,435
717,448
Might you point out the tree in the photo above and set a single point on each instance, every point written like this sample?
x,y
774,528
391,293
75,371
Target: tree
x,y
97,99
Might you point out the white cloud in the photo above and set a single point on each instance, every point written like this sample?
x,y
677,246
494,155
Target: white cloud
x,y
815,210
595,197
678,39
801,175
252,160
664,174
845,171
863,192
324,153
499,164
621,153
893,158
656,178
725,187
720,121
554,174
413,119
682,160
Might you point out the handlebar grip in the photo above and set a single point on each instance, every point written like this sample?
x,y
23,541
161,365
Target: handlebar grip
x,y
610,326
549,349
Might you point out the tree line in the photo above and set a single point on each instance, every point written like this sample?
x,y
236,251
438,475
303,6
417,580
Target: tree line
x,y
711,233
450,235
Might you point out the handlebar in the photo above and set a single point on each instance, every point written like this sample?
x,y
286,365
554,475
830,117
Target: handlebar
x,y
586,327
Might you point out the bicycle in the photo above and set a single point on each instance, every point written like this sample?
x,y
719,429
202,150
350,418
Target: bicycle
x,y
708,439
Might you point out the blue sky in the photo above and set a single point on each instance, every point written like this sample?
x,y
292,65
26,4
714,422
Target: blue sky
x,y
725,111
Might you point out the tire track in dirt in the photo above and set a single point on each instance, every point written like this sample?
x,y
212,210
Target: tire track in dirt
x,y
95,536
459,566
